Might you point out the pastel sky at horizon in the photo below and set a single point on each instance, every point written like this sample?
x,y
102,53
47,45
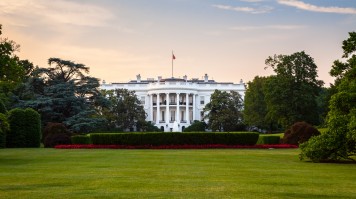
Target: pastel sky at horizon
x,y
227,39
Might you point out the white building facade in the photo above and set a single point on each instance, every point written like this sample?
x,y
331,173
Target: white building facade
x,y
172,104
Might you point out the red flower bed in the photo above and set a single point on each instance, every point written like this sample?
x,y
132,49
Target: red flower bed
x,y
209,146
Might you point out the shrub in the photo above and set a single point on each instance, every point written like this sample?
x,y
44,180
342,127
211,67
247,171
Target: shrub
x,y
248,138
324,147
80,139
197,126
147,127
299,132
54,134
25,128
269,139
4,128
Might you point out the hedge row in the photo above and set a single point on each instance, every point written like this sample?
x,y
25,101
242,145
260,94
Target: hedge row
x,y
156,139
80,139
269,139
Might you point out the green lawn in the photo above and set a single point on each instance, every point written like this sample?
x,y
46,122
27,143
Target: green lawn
x,y
53,173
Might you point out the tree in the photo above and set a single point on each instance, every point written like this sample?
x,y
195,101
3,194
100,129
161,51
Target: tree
x,y
255,107
13,71
63,93
125,111
224,111
4,129
291,94
196,126
340,140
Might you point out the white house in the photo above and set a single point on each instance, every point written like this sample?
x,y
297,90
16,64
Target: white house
x,y
172,104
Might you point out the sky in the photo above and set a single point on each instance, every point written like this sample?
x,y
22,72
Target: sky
x,y
227,39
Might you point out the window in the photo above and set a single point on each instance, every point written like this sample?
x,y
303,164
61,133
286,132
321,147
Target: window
x,y
173,116
172,100
143,100
162,116
154,116
202,100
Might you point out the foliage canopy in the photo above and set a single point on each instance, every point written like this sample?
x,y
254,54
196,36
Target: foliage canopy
x,y
224,111
340,141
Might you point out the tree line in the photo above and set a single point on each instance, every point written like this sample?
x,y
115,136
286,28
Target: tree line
x,y
64,93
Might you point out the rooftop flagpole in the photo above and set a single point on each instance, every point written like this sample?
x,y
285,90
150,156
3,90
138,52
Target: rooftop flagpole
x,y
173,58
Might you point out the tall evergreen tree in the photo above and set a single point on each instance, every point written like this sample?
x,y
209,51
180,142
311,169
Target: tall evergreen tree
x,y
62,93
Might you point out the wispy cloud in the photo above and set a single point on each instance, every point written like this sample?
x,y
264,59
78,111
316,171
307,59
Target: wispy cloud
x,y
275,27
251,10
62,12
313,8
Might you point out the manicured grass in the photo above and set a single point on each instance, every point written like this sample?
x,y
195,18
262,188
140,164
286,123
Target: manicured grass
x,y
210,173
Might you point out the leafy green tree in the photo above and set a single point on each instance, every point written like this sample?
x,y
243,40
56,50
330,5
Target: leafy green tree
x,y
13,71
323,102
147,126
340,141
224,111
63,93
4,129
197,126
125,111
291,94
255,107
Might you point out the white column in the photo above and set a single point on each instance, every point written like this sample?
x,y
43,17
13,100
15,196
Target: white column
x,y
177,109
193,111
187,108
167,108
158,110
151,107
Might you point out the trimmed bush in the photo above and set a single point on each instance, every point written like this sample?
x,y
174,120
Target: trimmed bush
x,y
269,139
156,139
56,133
197,126
80,139
299,132
25,128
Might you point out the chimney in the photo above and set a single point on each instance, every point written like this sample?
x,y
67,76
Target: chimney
x,y
185,77
206,78
138,78
159,78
